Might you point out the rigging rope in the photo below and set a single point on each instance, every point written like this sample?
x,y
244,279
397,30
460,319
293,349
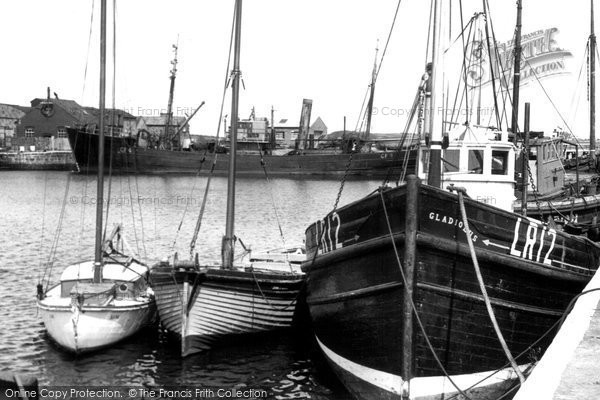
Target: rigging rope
x,y
271,190
135,235
187,204
87,57
548,96
112,114
504,93
339,195
486,298
576,94
362,108
137,191
387,42
202,207
412,304
41,248
215,154
54,246
554,327
84,196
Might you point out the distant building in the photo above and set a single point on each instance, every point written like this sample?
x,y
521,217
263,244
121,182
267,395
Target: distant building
x,y
10,117
318,130
256,129
43,127
286,132
123,123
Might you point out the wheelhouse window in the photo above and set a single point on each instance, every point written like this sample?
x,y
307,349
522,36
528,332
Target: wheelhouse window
x,y
475,165
29,132
451,160
499,162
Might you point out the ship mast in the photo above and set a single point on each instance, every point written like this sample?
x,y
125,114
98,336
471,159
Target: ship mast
x,y
434,177
372,95
592,50
228,242
517,72
100,183
171,91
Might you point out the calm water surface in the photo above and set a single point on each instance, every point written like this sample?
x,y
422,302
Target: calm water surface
x,y
50,216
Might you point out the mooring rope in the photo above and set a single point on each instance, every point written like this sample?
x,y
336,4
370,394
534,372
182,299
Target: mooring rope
x,y
273,307
554,326
486,298
412,303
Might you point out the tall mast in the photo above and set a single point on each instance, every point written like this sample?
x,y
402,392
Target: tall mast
x,y
592,48
100,183
372,95
227,246
171,91
517,72
434,177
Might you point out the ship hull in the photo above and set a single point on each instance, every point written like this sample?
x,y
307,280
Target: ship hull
x,y
579,214
357,296
123,156
89,328
211,304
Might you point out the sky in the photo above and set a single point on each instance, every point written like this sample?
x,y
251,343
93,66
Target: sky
x,y
316,49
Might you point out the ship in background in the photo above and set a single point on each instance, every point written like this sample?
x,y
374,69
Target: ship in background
x,y
336,154
262,146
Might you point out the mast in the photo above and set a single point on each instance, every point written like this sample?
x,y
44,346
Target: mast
x,y
171,91
592,48
434,177
517,72
227,246
372,95
100,183
272,140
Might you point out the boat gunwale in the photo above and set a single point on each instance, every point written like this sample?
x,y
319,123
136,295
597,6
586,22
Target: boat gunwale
x,y
323,261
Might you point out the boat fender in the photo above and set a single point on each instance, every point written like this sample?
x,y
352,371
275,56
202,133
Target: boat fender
x,y
40,291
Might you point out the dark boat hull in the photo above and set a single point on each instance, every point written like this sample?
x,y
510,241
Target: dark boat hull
x,y
579,214
123,156
355,293
222,303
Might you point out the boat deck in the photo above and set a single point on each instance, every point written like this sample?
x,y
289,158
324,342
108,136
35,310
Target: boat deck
x,y
570,369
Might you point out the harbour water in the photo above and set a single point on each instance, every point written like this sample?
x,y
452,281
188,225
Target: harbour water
x,y
49,216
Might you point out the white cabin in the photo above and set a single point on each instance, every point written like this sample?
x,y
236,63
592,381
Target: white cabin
x,y
481,160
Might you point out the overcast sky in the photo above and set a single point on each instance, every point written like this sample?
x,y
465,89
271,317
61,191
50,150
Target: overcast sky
x,y
317,49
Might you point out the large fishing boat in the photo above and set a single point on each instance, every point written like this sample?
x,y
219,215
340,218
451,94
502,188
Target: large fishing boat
x,y
204,303
354,154
435,288
574,207
130,157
